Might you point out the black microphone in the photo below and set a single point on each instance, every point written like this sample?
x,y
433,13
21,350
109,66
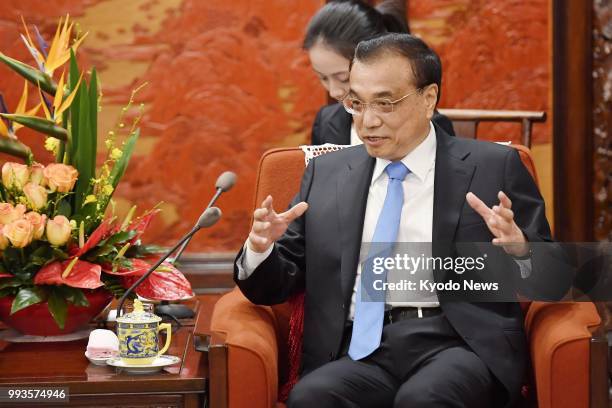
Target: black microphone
x,y
224,183
208,218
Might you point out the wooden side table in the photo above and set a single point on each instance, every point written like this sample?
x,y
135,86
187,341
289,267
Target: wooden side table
x,y
63,364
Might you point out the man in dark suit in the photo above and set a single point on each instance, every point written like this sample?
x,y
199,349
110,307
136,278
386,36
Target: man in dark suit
x,y
408,182
333,125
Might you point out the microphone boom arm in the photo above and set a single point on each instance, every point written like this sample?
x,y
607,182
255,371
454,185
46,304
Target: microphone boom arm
x,y
186,242
153,268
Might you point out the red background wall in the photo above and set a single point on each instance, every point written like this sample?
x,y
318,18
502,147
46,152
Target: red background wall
x,y
495,54
228,81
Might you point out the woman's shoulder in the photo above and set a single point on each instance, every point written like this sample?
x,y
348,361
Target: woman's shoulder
x,y
329,112
332,125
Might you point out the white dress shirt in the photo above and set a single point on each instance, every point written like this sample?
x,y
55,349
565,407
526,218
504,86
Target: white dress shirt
x,y
355,140
416,222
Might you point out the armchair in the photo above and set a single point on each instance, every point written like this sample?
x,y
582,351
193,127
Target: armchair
x,y
248,345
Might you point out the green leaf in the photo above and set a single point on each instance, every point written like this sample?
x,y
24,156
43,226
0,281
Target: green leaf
x,y
78,298
14,148
58,254
32,74
61,148
85,155
26,297
45,126
107,246
93,108
3,192
113,284
58,308
74,74
119,237
64,208
144,251
12,260
121,164
10,283
89,215
73,295
8,291
123,263
41,255
101,251
74,107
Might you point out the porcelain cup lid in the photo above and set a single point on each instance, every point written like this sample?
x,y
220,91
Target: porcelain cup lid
x,y
139,315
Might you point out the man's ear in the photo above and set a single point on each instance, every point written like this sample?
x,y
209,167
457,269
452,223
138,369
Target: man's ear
x,y
430,94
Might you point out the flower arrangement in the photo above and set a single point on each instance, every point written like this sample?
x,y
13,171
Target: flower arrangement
x,y
59,237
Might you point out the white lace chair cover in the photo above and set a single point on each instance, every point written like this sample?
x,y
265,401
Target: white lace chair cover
x,y
310,152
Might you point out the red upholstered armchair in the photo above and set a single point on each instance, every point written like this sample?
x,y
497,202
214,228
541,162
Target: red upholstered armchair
x,y
248,354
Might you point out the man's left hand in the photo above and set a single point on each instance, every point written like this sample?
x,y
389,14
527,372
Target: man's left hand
x,y
500,221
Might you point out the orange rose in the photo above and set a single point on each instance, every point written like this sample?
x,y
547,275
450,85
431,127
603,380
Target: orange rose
x,y
58,230
15,175
60,177
36,195
20,209
4,242
19,232
38,223
8,213
37,174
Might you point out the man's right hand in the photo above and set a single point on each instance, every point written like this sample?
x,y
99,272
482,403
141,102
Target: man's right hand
x,y
268,226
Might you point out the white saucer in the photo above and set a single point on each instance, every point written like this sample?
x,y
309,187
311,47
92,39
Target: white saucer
x,y
159,363
97,361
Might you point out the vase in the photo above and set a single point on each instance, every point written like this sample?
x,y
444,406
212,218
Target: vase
x,y
36,320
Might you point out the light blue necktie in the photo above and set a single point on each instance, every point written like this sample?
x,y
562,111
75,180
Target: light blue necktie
x,y
370,306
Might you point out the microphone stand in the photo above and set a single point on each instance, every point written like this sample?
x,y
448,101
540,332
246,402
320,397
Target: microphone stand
x,y
182,249
176,310
131,289
208,218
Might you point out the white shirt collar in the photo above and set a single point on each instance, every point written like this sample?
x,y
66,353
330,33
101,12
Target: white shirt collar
x,y
419,161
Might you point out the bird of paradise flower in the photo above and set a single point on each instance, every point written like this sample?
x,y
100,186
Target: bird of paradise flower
x,y
47,62
59,52
48,59
10,128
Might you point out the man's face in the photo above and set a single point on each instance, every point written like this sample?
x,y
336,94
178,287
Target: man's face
x,y
391,135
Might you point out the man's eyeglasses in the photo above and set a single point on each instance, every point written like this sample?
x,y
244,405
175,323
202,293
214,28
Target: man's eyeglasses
x,y
355,106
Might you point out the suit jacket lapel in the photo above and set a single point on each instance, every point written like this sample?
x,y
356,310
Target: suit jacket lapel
x,y
352,190
453,176
339,126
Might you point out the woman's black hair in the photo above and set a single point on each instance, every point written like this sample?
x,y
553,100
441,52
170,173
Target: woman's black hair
x,y
341,25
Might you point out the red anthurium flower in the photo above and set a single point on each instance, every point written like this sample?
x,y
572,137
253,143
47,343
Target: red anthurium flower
x,y
140,225
138,268
168,284
83,275
102,232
